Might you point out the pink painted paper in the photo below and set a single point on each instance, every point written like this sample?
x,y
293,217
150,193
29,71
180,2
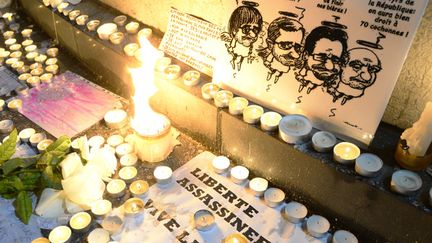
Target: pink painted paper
x,y
67,106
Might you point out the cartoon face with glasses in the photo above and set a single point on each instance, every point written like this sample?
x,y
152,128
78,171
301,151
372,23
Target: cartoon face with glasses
x,y
284,47
325,50
359,73
244,26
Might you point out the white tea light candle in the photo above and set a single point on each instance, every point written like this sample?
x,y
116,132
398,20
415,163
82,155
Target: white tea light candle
x,y
343,236
252,114
139,188
128,160
220,164
239,174
52,52
191,78
105,30
163,175
237,105
116,188
25,134
128,173
116,118
123,149
172,72
133,206
93,24
295,129
209,90
96,141
274,197
317,226
120,20
295,212
323,141
80,222
132,27
346,153
368,164
115,140
98,235
6,126
44,144
101,208
222,98
258,186
36,138
15,104
162,63
405,182
204,220
60,234
270,121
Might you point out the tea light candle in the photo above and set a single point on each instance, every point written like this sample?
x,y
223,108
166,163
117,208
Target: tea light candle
x,y
36,138
10,41
32,55
8,34
27,42
239,174
11,61
237,105
172,72
209,90
52,69
4,54
46,77
116,188
80,222
35,65
15,104
52,52
82,19
74,14
270,121
343,236
30,48
124,149
317,226
36,72
67,10
62,6
258,186
133,206
33,81
132,27
220,164
6,126
274,197
17,65
163,175
162,63
51,61
295,129
23,90
128,173
116,38
26,33
295,212
130,49
96,141
120,20
41,58
139,188
204,220
323,141
116,118
405,182
15,47
115,140
128,160
252,114
130,139
235,238
60,234
145,33
40,240
16,54
100,208
93,24
25,134
105,30
98,235
368,164
346,153
222,98
191,78
44,144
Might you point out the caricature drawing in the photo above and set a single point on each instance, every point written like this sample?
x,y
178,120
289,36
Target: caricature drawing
x,y
284,46
244,26
325,50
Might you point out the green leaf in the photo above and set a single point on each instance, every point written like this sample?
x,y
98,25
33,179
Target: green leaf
x,y
51,178
6,187
7,149
62,144
23,206
16,163
30,180
16,182
9,195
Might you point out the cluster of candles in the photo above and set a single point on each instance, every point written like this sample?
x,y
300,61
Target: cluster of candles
x,y
29,136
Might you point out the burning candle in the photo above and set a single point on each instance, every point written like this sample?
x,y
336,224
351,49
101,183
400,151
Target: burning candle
x,y
295,212
133,206
10,41
274,197
98,235
62,6
258,186
124,149
204,220
405,182
220,164
317,226
222,98
368,164
323,141
52,52
101,208
139,188
130,49
46,77
27,42
237,105
8,34
93,24
80,222
26,33
346,153
132,27
51,61
30,48
116,188
172,72
82,19
6,126
191,78
128,173
74,14
52,69
295,129
235,238
31,56
60,234
116,118
17,65
270,121
105,30
36,138
16,54
120,20
33,81
35,65
44,144
96,141
252,114
117,38
128,160
115,140
163,175
41,58
209,90
162,63
343,236
11,61
36,72
15,47
15,104
25,134
239,174
145,33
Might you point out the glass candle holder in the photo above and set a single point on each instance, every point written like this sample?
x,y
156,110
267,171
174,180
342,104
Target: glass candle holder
x,y
411,161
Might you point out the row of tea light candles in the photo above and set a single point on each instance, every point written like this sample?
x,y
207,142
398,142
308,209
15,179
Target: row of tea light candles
x,y
27,135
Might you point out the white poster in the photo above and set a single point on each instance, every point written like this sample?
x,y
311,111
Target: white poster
x,y
335,61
